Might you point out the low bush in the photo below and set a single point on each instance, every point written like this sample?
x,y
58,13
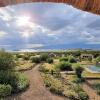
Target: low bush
x,y
26,57
11,81
98,91
17,80
77,80
6,61
64,66
83,96
50,60
72,60
54,85
78,70
63,59
36,59
44,57
5,90
22,82
77,87
70,94
96,86
19,56
43,69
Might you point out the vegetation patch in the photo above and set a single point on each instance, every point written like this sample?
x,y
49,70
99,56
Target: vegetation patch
x,y
72,59
60,86
50,60
63,59
64,66
36,59
23,65
10,81
96,86
5,90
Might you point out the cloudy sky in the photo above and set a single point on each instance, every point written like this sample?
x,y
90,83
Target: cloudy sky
x,y
48,26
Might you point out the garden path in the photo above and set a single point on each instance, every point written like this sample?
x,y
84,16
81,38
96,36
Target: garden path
x,y
37,90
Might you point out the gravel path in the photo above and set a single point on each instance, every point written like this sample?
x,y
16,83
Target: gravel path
x,y
91,93
37,90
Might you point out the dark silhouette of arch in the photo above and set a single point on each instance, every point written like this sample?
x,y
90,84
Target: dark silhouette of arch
x,y
86,5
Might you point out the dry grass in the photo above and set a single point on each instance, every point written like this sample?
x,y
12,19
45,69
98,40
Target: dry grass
x,y
49,67
23,65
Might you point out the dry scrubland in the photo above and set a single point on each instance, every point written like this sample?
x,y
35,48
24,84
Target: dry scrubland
x,y
61,73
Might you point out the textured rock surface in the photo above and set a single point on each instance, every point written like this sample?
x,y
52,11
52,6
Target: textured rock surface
x,y
86,5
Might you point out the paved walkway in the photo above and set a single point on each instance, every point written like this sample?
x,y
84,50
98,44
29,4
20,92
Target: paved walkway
x,y
37,90
91,93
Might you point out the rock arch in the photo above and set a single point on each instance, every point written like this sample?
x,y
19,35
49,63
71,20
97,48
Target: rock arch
x,y
86,5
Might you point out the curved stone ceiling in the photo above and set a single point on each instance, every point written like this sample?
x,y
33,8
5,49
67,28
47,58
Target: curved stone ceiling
x,y
86,5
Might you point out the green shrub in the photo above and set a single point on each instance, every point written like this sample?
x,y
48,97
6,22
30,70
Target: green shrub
x,y
72,60
49,60
36,59
70,94
98,59
98,91
22,82
26,57
64,66
64,59
96,86
8,77
4,77
77,80
83,96
17,80
19,56
77,87
79,70
43,69
5,90
44,57
6,61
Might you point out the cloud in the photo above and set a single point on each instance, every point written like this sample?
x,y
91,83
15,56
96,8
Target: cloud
x,y
47,24
5,15
2,33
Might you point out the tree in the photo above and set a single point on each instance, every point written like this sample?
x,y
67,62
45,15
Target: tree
x,y
78,71
50,60
72,59
44,57
36,60
64,66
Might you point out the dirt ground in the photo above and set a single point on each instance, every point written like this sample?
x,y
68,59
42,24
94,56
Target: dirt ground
x,y
37,90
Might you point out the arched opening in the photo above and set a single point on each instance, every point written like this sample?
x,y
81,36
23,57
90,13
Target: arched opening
x,y
48,27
